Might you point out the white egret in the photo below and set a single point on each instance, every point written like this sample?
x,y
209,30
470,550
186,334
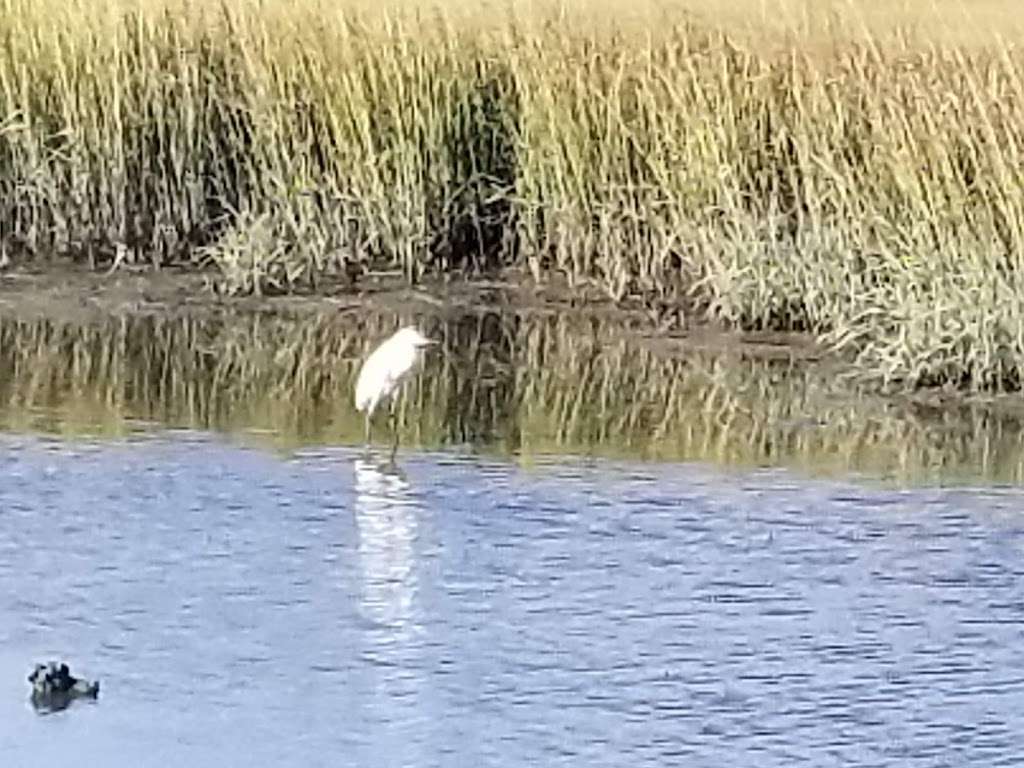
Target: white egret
x,y
385,370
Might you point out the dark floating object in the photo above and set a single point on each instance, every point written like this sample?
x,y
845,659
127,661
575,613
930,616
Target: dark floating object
x,y
54,687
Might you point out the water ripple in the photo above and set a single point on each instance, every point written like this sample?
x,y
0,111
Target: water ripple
x,y
455,611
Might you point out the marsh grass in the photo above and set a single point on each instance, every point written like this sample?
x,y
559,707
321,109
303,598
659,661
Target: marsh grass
x,y
526,386
829,173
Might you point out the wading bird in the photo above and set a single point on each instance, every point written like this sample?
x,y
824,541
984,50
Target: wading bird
x,y
383,373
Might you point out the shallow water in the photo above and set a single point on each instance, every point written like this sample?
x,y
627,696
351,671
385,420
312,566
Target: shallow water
x,y
251,590
503,385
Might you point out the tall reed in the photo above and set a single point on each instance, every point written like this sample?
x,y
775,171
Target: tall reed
x,y
864,188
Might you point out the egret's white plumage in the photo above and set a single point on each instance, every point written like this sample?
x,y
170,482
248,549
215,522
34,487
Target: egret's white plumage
x,y
386,368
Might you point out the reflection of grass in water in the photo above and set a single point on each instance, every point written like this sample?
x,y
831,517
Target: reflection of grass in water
x,y
528,385
265,374
622,399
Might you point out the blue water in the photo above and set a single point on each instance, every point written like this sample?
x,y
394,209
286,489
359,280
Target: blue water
x,y
321,609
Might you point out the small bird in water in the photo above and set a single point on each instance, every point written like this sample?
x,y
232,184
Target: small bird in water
x,y
385,370
54,687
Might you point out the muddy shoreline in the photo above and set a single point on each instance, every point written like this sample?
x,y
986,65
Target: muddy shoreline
x,y
74,294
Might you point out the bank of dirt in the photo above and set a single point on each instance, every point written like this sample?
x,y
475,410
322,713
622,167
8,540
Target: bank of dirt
x,y
65,293
71,294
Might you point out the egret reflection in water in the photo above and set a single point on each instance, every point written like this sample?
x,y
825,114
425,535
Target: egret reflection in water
x,y
386,521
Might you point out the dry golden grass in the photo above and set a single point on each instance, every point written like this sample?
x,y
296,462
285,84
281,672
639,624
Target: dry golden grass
x,y
945,22
849,169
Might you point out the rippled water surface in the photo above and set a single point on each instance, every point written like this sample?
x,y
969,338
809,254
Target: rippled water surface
x,y
183,515
319,608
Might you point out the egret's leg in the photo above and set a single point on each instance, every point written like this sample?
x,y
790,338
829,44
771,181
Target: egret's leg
x,y
369,423
394,431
